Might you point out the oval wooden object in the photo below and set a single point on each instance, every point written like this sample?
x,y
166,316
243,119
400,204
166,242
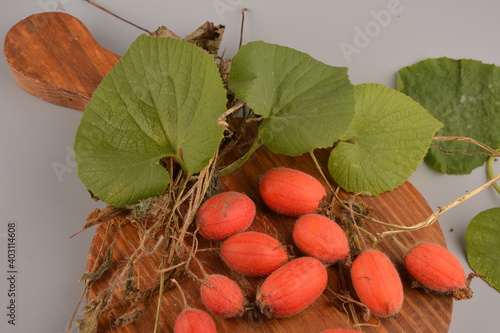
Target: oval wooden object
x,y
421,311
53,56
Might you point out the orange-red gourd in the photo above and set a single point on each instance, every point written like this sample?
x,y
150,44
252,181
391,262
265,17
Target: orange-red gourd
x,y
224,215
253,253
222,296
194,321
292,287
377,283
435,267
320,237
291,192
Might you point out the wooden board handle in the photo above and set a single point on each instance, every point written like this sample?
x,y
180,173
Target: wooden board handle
x,y
53,56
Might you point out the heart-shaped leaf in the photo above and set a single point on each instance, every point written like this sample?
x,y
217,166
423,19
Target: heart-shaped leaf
x,y
463,94
305,103
162,99
388,138
482,244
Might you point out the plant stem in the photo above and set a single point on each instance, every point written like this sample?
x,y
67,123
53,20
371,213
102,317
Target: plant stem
x,y
343,274
434,216
242,26
177,203
226,113
491,174
399,244
184,301
118,17
469,140
318,166
349,208
242,160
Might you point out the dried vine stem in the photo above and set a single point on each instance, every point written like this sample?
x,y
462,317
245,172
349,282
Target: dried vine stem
x,y
492,152
221,121
242,26
195,197
184,300
428,221
343,284
168,257
434,216
118,17
163,226
86,287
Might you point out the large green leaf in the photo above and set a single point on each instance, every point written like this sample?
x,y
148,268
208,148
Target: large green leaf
x,y
162,99
388,138
482,244
464,95
305,103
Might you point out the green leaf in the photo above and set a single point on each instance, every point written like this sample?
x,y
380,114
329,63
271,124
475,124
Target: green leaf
x,y
463,94
388,138
482,244
162,99
305,103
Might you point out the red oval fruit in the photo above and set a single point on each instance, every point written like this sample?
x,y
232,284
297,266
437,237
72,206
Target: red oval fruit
x,y
340,331
435,267
224,215
292,287
253,253
377,283
291,192
194,321
222,296
320,237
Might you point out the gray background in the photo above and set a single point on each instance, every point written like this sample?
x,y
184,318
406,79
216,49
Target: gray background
x,y
35,136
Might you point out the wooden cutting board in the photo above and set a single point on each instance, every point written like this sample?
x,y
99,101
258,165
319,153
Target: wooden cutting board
x,y
53,56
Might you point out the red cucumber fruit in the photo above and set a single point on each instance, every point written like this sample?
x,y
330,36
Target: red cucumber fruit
x,y
222,296
437,269
253,253
194,321
320,237
292,287
224,215
291,192
377,283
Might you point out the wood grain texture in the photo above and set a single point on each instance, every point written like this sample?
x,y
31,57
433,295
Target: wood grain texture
x,y
421,312
54,57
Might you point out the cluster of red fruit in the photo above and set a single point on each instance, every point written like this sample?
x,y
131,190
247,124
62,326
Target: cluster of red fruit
x,y
293,285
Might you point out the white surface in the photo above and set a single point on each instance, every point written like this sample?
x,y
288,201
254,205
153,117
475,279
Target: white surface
x,y
35,136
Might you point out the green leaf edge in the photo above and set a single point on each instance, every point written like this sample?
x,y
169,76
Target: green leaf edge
x,y
267,131
472,252
114,193
350,134
431,159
